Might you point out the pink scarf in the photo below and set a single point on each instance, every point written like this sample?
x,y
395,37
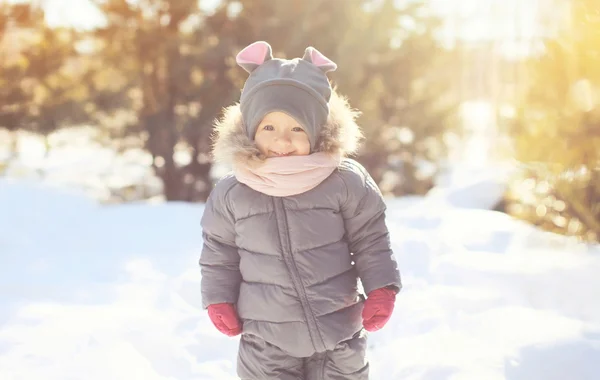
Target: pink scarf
x,y
290,175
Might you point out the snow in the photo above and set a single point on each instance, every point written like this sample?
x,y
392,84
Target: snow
x,y
468,186
77,158
90,291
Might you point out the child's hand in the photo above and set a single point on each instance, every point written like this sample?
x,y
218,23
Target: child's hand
x,y
378,308
225,318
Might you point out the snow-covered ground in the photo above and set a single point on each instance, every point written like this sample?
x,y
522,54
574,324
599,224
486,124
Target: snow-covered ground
x,y
113,292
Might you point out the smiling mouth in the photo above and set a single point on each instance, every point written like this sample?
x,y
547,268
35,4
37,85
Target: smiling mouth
x,y
277,154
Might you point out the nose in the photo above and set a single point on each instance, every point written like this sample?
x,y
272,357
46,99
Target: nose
x,y
283,138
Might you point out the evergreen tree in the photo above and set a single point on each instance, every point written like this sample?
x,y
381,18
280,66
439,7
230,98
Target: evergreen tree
x,y
40,86
171,80
159,72
557,130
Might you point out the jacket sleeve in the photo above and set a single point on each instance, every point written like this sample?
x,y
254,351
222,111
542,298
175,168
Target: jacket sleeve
x,y
363,210
219,259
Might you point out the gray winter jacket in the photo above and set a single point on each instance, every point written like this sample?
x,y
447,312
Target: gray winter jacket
x,y
291,265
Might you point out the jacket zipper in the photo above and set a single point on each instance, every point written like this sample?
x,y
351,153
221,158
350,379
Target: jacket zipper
x,y
286,246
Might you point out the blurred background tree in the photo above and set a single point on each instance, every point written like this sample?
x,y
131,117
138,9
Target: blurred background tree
x,y
166,65
556,130
157,73
147,80
41,86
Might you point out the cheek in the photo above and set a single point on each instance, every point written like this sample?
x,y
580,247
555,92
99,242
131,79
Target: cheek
x,y
302,144
262,143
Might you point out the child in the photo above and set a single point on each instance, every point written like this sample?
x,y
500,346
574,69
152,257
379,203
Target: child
x,y
288,235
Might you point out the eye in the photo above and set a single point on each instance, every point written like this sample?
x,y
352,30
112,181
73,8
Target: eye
x,y
297,129
268,127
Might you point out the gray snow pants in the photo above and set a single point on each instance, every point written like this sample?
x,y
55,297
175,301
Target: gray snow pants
x,y
259,360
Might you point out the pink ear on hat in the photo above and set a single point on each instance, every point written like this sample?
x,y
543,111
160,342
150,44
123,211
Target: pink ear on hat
x,y
317,58
254,55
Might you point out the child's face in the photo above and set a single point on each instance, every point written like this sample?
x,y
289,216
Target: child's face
x,y
279,134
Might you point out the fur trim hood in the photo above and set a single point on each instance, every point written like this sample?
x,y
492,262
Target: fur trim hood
x,y
340,134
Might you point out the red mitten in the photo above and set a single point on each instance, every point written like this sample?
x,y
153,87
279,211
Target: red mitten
x,y
378,308
225,318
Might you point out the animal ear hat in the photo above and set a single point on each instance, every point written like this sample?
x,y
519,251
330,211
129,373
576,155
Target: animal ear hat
x,y
298,87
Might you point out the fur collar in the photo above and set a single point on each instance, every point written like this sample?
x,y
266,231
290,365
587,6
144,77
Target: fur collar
x,y
340,135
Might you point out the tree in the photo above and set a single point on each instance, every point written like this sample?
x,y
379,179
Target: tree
x,y
171,66
159,72
556,130
39,89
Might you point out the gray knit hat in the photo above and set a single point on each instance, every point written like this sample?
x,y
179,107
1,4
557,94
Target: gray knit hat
x,y
297,87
